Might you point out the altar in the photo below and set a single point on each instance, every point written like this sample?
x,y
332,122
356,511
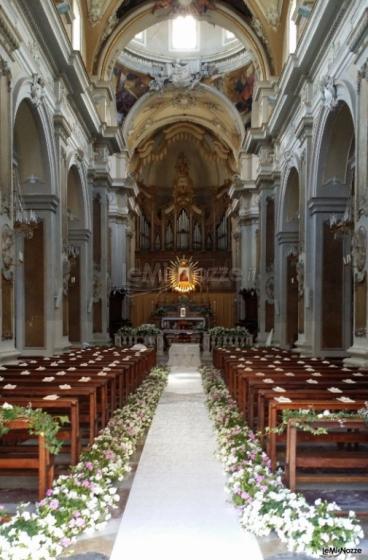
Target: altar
x,y
184,330
184,355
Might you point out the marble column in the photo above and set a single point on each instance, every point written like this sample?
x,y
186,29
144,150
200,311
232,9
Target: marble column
x,y
119,227
101,280
267,306
62,134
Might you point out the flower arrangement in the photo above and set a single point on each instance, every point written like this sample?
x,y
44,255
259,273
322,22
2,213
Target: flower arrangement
x,y
222,331
147,330
81,500
305,417
143,330
39,423
264,503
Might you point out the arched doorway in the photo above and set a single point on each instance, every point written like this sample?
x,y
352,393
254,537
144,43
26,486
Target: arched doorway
x,y
33,204
288,248
73,289
334,232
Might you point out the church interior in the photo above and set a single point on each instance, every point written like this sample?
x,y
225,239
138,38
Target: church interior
x,y
183,287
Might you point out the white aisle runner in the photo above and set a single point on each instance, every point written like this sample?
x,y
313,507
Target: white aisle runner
x,y
177,507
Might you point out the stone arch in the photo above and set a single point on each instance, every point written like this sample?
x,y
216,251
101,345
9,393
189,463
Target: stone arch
x,y
142,17
332,219
34,191
288,256
76,288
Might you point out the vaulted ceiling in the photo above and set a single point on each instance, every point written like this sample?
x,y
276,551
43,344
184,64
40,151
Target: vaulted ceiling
x,y
265,17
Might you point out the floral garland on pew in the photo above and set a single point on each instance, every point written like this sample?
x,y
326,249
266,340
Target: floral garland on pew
x,y
40,423
304,418
81,501
264,503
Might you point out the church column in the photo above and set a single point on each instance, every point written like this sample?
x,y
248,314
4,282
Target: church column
x,y
101,280
119,223
267,183
80,240
8,257
62,134
286,256
249,226
359,350
304,133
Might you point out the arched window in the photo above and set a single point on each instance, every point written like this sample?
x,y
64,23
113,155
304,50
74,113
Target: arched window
x,y
292,29
76,27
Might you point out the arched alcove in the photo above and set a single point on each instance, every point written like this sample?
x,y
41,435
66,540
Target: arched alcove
x,y
72,316
291,205
31,174
336,187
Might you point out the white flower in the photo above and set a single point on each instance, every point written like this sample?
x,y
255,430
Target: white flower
x,y
7,406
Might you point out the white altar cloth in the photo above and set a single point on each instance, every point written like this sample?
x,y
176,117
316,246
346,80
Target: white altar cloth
x,y
184,355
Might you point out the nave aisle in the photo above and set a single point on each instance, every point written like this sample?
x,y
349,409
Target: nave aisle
x,y
177,507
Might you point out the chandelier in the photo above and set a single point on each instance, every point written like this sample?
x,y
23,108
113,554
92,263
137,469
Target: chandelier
x,y
345,225
183,275
25,221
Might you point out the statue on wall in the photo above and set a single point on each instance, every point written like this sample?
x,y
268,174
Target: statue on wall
x,y
360,253
7,252
184,7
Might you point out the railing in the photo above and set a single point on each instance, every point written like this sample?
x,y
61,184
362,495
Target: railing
x,y
149,340
208,342
231,340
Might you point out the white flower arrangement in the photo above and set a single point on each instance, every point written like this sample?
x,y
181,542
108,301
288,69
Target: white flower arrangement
x,y
81,501
264,503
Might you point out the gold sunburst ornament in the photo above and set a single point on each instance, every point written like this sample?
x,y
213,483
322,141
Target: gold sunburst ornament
x,y
183,275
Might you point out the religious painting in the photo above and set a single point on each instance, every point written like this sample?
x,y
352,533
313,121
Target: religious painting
x,y
183,275
130,86
238,86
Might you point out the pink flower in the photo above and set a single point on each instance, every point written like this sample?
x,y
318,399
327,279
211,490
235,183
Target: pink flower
x,y
109,454
80,522
89,465
49,492
65,542
54,504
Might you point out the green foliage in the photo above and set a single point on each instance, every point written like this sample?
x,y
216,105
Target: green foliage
x,y
223,331
40,423
305,418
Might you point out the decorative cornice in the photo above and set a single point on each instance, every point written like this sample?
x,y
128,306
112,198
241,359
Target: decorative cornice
x,y
79,235
358,38
41,202
304,128
327,205
9,37
62,127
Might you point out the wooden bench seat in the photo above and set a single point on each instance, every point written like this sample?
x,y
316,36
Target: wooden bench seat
x,y
42,463
331,459
63,406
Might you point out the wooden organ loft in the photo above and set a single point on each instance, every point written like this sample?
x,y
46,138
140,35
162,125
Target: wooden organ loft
x,y
184,219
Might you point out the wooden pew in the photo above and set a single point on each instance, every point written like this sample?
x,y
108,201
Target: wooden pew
x,y
327,458
43,463
63,406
